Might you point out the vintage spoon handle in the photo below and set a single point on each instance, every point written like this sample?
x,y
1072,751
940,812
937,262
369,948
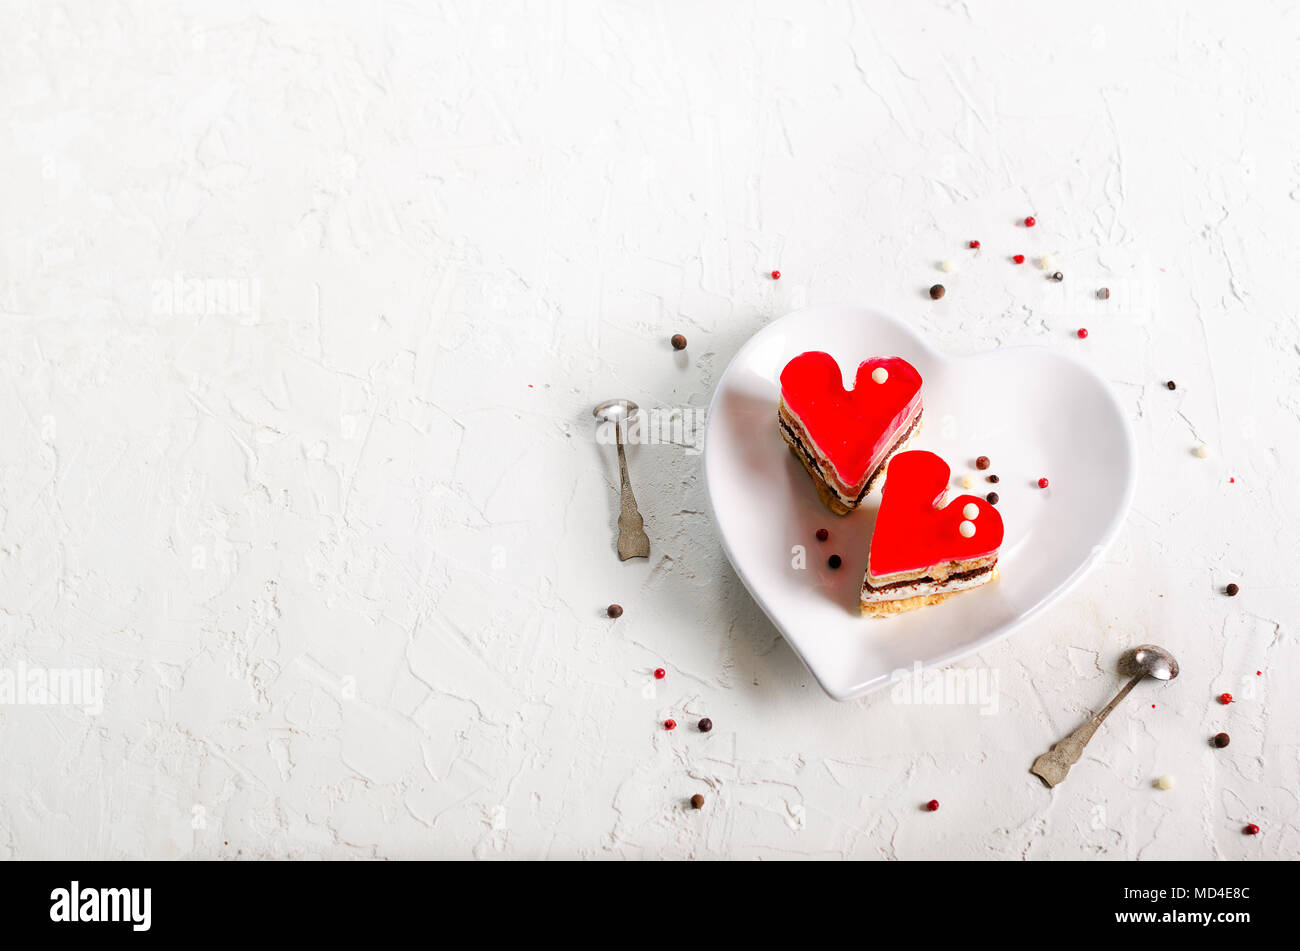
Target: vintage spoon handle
x,y
1054,765
632,539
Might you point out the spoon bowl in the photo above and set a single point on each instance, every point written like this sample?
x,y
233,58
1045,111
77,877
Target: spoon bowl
x,y
615,410
1151,660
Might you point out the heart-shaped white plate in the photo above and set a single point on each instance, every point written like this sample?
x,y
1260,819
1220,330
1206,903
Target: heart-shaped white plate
x,y
1034,413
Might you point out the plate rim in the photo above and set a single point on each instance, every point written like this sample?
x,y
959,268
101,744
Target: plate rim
x,y
996,635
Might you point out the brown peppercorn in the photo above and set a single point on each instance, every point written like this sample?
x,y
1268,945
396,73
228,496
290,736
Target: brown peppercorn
x,y
1221,740
1103,294
697,801
679,342
1171,385
614,610
937,291
993,498
982,462
994,478
1231,590
706,725
1058,276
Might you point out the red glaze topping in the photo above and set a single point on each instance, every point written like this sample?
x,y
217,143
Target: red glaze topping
x,y
912,532
851,427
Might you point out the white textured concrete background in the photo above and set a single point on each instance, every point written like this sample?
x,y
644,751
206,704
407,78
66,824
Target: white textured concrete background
x,y
303,311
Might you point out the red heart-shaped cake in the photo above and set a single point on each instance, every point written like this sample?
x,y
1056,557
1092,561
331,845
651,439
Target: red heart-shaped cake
x,y
923,550
843,437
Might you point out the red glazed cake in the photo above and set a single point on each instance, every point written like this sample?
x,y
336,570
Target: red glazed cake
x,y
922,550
845,438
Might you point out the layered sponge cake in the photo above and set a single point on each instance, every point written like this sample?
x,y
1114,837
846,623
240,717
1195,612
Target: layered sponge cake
x,y
922,550
845,438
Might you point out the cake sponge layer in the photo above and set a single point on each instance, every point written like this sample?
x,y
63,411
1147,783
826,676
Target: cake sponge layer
x,y
835,495
901,597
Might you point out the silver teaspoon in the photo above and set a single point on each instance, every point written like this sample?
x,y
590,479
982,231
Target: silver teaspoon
x,y
1146,660
632,539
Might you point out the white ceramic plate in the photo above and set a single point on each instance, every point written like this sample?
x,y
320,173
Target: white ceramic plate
x,y
1032,412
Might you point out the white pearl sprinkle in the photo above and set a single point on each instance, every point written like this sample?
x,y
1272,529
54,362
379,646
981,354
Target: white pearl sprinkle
x,y
967,529
971,511
1166,782
1202,451
967,482
947,265
879,375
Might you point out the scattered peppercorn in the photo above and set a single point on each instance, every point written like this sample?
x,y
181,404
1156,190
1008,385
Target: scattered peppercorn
x,y
1043,483
660,673
697,801
1058,276
982,462
937,291
994,478
822,534
1251,829
1171,385
932,805
1030,221
1231,590
614,610
993,498
1225,698
1018,258
670,724
706,725
678,342
1221,740
1103,294
834,561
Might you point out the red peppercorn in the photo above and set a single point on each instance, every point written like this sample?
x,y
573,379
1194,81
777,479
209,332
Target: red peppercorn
x,y
822,534
1251,829
1043,483
776,275
932,805
1030,221
670,724
1225,698
975,245
660,673
1019,259
1083,333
